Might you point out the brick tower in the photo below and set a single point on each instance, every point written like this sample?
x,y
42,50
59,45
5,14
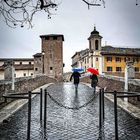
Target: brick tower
x,y
52,50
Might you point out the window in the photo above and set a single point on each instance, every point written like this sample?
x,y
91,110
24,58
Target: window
x,y
51,51
96,45
96,58
118,69
31,74
24,74
109,58
118,59
127,59
109,68
136,69
51,68
30,63
36,69
51,56
20,63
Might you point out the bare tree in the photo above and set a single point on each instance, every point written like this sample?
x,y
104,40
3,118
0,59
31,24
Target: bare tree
x,y
21,12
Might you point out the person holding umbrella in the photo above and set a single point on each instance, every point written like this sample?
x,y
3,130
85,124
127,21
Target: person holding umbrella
x,y
94,81
76,76
93,77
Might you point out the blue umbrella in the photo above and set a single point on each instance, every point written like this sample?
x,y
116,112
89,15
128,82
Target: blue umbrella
x,y
77,69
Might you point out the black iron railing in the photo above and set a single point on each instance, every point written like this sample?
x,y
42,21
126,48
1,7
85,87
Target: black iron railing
x,y
116,96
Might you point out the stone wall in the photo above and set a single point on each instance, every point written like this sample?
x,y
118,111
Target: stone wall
x,y
24,84
112,83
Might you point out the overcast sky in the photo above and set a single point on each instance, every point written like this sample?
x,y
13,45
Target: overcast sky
x,y
118,24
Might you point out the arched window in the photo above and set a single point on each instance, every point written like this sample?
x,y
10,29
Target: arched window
x,y
96,44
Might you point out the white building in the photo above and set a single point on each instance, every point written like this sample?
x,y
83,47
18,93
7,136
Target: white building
x,y
23,67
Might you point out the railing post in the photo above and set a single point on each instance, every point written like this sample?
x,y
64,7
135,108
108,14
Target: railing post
x,y
29,116
41,105
103,107
115,115
45,108
100,109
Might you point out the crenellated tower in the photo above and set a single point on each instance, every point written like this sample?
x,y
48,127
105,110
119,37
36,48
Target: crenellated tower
x,y
52,50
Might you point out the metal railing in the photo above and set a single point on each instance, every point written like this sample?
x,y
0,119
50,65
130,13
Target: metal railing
x,y
101,107
27,96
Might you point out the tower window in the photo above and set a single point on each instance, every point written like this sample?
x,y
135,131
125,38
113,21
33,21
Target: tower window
x,y
51,68
36,69
30,63
51,56
96,44
20,63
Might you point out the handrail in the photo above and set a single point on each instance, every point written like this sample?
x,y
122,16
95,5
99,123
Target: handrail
x,y
123,92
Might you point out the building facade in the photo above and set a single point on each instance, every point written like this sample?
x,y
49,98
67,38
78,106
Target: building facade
x,y
49,62
107,59
23,67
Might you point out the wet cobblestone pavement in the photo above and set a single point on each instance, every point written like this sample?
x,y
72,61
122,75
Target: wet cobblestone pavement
x,y
65,123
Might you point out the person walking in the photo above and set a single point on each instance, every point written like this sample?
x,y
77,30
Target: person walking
x,y
94,81
76,76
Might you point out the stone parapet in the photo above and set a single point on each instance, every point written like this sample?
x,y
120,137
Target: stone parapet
x,y
111,83
24,85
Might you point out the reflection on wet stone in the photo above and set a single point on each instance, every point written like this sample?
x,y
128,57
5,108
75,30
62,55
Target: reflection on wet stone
x,y
64,122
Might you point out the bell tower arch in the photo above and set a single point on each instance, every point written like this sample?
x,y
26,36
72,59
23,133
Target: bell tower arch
x,y
95,41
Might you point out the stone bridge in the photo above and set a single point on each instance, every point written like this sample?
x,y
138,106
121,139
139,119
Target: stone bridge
x,y
24,84
111,83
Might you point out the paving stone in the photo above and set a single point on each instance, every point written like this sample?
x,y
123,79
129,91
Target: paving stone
x,y
71,124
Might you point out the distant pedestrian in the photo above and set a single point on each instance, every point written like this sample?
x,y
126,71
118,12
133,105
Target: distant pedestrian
x,y
76,76
94,81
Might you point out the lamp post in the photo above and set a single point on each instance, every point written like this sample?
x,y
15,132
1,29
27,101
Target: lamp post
x,y
43,53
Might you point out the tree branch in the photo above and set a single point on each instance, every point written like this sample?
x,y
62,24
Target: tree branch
x,y
47,5
91,4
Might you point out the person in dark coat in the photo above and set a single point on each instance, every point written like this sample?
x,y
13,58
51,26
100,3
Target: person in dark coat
x,y
94,81
76,76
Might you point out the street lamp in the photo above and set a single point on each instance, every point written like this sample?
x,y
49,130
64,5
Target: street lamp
x,y
43,53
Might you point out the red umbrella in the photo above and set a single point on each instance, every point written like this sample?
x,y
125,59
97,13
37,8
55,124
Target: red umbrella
x,y
93,70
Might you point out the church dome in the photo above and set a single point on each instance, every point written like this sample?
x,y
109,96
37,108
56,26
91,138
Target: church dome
x,y
94,31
